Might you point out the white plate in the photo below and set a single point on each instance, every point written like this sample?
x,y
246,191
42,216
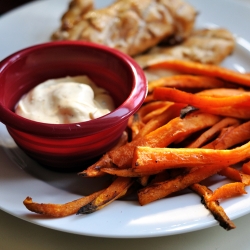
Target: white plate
x,y
21,177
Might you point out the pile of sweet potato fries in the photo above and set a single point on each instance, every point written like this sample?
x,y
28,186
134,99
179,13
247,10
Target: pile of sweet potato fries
x,y
191,126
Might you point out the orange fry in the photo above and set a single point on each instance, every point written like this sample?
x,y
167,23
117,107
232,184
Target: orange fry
x,y
160,190
156,159
93,171
236,112
149,98
143,180
230,172
126,172
175,95
135,125
196,68
236,175
117,189
156,113
221,92
227,191
246,168
210,133
234,136
162,176
162,137
59,210
171,112
187,82
152,106
213,206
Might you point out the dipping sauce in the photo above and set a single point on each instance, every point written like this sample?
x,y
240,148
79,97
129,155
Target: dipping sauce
x,y
65,100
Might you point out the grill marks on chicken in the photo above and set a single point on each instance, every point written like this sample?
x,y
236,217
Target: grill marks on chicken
x,y
76,10
133,26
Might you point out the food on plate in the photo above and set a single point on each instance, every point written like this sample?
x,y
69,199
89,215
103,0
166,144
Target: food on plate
x,y
65,100
188,82
213,206
200,101
155,159
195,68
92,171
59,210
171,146
227,191
133,26
163,136
246,168
207,46
117,189
194,123
213,131
236,175
184,179
150,31
76,10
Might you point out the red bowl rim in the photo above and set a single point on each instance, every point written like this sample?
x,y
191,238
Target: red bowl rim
x,y
124,111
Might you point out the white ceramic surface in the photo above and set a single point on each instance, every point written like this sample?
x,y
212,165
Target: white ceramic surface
x,y
21,177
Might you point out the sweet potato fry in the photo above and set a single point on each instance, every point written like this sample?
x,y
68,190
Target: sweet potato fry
x,y
93,171
163,136
59,210
189,82
229,111
228,139
162,176
156,159
210,133
170,112
222,92
155,113
223,133
228,191
163,121
230,172
149,98
117,189
126,172
196,68
160,190
213,206
143,180
135,125
246,168
203,103
152,106
236,175
175,95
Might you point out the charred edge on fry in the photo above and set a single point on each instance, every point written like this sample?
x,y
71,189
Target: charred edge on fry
x,y
187,110
217,217
87,209
136,117
84,174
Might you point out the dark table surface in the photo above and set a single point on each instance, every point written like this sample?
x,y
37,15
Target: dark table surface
x,y
7,5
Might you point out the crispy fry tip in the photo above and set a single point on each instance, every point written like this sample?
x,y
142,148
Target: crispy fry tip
x,y
27,200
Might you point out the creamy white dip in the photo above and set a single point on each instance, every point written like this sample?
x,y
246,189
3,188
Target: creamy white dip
x,y
65,100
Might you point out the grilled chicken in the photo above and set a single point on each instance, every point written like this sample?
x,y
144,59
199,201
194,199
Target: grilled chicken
x,y
133,26
76,10
209,46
